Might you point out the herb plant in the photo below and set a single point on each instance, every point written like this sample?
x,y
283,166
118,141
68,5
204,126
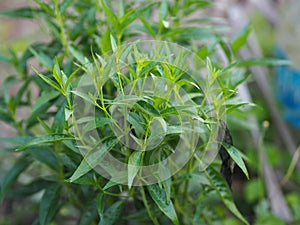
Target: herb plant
x,y
112,110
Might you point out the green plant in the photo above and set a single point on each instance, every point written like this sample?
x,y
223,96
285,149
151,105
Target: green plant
x,y
98,93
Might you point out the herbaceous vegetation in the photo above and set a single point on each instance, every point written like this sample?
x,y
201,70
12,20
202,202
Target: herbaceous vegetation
x,y
103,92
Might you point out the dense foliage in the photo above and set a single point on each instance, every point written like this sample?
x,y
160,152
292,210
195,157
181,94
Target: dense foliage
x,y
86,97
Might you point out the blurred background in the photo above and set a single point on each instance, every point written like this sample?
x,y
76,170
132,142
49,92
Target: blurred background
x,y
272,195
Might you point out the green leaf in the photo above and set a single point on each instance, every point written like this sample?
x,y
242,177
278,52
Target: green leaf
x,y
113,43
89,214
22,90
241,38
148,206
132,15
221,187
59,121
134,163
65,4
148,26
18,140
29,189
148,108
46,7
44,59
49,205
236,157
163,11
44,139
256,62
45,98
112,214
112,20
11,176
4,58
28,13
100,205
47,80
46,157
92,159
137,122
160,198
78,55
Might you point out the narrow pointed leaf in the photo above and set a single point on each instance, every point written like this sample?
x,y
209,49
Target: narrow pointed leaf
x,y
160,198
92,160
49,204
45,139
236,157
112,214
221,187
11,176
134,163
241,38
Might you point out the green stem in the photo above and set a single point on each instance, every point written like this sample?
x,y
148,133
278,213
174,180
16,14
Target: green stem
x,y
60,21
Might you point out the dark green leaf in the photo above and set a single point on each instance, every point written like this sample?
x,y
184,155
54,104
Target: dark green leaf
x,y
148,108
160,198
44,140
29,189
22,90
137,122
65,4
89,214
49,205
46,7
112,214
47,80
21,13
45,156
18,140
221,187
100,205
59,121
10,177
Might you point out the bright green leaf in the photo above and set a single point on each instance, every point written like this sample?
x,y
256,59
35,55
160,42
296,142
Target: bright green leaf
x,y
241,38
236,157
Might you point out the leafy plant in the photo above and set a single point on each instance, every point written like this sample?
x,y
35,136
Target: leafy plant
x,y
100,93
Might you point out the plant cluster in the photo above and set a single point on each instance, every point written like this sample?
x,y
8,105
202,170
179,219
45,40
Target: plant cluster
x,y
102,92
